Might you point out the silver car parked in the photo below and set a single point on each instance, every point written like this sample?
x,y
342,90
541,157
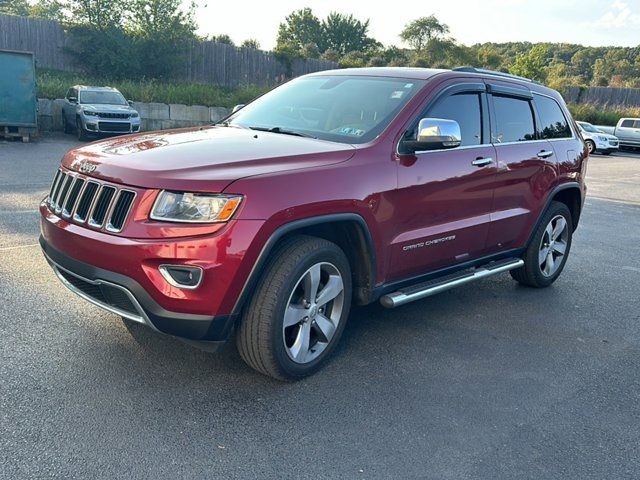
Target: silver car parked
x,y
98,110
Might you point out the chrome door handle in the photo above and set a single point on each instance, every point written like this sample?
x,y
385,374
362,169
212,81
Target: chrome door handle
x,y
545,153
481,162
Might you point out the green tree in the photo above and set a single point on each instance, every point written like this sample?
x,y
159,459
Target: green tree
x,y
251,43
300,28
161,29
344,34
420,31
531,64
14,7
222,38
47,9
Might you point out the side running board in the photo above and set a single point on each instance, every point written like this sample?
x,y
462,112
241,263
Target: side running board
x,y
431,287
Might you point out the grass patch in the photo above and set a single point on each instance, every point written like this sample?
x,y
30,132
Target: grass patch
x,y
54,84
602,115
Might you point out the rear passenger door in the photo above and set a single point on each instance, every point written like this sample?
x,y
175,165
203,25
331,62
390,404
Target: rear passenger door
x,y
526,167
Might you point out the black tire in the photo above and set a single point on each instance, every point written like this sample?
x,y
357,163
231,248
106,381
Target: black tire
x,y
591,146
261,338
532,274
81,132
65,124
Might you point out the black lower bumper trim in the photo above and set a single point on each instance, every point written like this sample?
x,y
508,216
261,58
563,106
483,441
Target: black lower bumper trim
x,y
185,325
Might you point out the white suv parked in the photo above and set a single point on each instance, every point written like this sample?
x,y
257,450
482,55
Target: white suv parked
x,y
598,141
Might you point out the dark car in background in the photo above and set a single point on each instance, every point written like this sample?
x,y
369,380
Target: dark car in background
x,y
93,111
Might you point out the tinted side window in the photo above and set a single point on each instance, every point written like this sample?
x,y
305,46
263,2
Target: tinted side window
x,y
628,123
465,109
514,120
553,123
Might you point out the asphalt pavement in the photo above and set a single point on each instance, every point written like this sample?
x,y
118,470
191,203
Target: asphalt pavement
x,y
488,381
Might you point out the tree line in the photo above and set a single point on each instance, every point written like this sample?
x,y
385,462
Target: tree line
x,y
346,40
147,38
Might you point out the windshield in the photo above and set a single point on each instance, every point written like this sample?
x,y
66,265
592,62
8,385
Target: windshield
x,y
587,127
340,108
102,97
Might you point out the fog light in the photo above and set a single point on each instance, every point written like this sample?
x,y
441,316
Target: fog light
x,y
182,276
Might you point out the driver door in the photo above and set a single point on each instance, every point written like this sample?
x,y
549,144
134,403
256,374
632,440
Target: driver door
x,y
444,197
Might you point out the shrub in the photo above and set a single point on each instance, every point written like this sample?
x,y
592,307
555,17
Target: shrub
x,y
54,84
602,115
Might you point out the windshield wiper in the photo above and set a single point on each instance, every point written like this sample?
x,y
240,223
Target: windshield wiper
x,y
282,131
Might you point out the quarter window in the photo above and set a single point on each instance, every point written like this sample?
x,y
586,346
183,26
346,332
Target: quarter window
x,y
465,109
553,123
514,120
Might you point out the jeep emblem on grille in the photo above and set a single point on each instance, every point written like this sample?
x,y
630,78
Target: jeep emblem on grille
x,y
86,167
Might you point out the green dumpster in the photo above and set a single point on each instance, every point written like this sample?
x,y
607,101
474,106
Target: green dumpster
x,y
18,103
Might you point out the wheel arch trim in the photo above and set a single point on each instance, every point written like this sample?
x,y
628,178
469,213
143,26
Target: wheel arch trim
x,y
300,224
559,188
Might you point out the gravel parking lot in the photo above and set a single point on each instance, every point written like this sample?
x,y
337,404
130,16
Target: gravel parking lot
x,y
491,380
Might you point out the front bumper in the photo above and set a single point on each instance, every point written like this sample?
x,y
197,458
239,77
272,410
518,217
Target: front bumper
x,y
94,124
124,296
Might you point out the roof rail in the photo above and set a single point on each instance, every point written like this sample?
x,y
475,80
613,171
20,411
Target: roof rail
x,y
493,72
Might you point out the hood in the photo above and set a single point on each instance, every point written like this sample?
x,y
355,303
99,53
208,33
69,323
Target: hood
x,y
107,108
201,159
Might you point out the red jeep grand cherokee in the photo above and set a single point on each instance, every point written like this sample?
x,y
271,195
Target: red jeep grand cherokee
x,y
361,185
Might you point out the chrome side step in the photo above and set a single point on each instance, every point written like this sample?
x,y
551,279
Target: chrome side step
x,y
431,287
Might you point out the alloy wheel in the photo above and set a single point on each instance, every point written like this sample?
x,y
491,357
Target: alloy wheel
x,y
553,246
313,312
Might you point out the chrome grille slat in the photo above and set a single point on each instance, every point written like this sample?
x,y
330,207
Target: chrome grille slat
x,y
56,194
85,200
70,204
54,184
64,190
102,207
121,207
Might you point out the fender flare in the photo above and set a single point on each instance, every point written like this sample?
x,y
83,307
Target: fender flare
x,y
286,228
552,194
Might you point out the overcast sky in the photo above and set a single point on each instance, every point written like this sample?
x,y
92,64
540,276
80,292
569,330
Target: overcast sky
x,y
588,22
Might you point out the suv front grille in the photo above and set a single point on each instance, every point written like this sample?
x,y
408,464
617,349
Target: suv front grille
x,y
88,200
113,115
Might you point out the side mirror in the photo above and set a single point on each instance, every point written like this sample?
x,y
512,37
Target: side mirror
x,y
237,107
130,103
434,134
73,99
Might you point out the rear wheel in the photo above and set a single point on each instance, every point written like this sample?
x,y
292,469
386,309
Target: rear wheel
x,y
591,146
298,310
548,250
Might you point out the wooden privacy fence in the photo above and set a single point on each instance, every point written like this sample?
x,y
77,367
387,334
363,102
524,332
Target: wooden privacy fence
x,y
626,97
205,62
46,39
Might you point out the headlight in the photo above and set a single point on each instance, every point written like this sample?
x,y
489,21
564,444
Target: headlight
x,y
134,115
194,207
602,139
90,113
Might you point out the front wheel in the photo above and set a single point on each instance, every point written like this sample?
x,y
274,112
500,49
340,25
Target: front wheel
x,y
298,310
591,146
80,131
548,250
